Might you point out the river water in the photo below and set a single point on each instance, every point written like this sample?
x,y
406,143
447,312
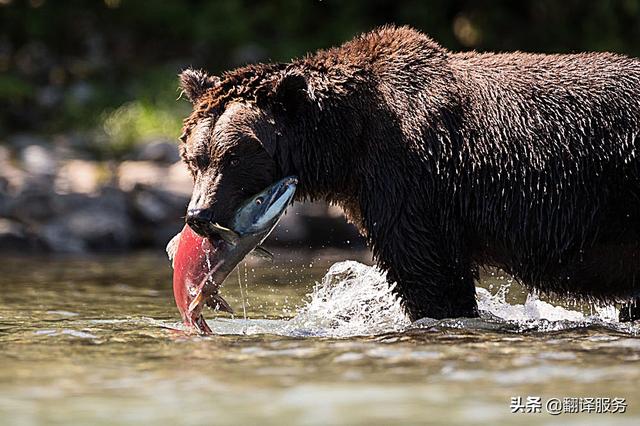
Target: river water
x,y
98,341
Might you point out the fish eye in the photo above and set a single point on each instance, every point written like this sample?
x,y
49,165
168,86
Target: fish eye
x,y
259,200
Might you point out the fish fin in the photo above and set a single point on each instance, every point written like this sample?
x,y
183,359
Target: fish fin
x,y
216,302
172,247
262,253
226,234
202,326
196,301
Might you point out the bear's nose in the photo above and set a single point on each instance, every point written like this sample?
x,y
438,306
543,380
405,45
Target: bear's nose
x,y
199,220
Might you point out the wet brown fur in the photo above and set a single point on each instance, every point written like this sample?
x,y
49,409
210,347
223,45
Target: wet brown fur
x,y
445,161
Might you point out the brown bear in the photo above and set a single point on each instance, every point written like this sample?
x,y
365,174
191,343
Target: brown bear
x,y
445,161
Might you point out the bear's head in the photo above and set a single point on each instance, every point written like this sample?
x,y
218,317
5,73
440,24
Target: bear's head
x,y
238,139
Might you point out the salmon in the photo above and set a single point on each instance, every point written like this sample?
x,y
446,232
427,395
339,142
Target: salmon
x,y
201,264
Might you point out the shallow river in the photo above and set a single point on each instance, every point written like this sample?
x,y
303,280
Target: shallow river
x,y
98,341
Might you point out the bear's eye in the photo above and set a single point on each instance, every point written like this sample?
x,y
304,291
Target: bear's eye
x,y
234,161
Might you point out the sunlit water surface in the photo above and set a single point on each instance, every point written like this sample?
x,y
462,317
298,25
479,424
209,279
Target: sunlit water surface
x,y
98,341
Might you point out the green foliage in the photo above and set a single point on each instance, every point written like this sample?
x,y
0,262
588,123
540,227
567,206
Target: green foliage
x,y
131,124
14,88
131,50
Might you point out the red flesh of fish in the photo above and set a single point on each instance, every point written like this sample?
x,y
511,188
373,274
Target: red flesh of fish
x,y
191,264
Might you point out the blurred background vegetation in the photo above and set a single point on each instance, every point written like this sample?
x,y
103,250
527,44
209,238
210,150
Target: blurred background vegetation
x,y
89,116
107,69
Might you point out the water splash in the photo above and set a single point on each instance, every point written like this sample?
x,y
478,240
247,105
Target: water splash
x,y
536,314
533,309
354,299
244,305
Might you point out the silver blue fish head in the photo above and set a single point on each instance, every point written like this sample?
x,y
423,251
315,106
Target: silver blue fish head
x,y
262,212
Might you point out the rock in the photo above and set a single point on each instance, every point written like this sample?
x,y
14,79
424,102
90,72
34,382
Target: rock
x,y
78,176
65,147
14,238
73,145
4,197
12,178
157,214
174,178
38,160
179,180
99,223
5,164
156,206
132,173
4,155
58,239
162,235
40,166
150,207
162,151
62,204
33,205
9,227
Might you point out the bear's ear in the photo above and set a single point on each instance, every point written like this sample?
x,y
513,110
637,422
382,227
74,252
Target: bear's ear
x,y
194,83
291,92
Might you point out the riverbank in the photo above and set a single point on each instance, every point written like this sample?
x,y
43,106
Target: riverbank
x,y
54,199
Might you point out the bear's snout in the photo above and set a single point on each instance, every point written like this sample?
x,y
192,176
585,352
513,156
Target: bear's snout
x,y
200,221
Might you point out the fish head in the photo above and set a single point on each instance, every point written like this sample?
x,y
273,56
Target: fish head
x,y
260,213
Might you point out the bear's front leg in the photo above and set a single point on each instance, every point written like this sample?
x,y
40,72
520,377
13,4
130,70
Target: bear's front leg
x,y
434,278
429,295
